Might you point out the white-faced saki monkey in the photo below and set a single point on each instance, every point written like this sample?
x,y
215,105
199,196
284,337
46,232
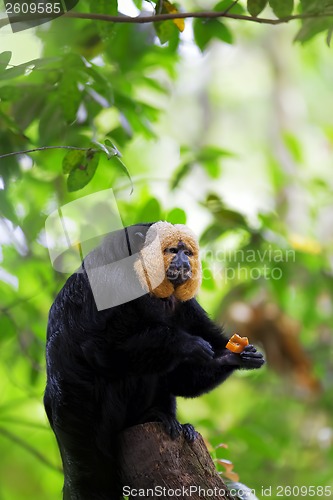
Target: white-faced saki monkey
x,y
125,337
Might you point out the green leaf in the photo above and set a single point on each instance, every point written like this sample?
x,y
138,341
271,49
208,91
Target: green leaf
x,y
7,328
213,168
32,101
255,7
311,27
124,169
73,159
211,233
176,216
69,95
109,150
206,30
226,217
109,7
329,36
52,125
282,8
6,208
166,31
315,6
19,70
180,173
5,57
151,212
9,93
101,84
224,5
81,168
294,146
209,153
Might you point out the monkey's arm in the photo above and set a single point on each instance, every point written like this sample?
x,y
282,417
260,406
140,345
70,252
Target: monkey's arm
x,y
156,349
198,323
191,380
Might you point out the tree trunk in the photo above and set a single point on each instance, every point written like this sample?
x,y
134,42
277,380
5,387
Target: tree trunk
x,y
152,462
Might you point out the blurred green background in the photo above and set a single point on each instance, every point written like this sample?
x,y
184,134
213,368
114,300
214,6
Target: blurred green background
x,y
226,127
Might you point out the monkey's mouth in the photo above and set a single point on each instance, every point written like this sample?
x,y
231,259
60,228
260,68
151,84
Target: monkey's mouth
x,y
178,276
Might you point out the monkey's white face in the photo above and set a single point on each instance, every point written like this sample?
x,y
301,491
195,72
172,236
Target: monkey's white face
x,y
169,263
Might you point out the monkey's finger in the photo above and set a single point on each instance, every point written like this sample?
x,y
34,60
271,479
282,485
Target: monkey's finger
x,y
204,354
251,354
250,348
203,349
252,362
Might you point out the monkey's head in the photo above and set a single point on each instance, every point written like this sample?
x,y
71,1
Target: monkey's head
x,y
169,261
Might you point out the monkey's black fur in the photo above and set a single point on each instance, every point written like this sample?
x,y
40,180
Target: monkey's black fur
x,y
111,369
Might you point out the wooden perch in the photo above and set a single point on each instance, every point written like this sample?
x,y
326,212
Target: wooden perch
x,y
150,459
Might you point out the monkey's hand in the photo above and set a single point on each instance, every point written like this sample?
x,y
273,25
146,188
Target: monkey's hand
x,y
248,359
251,358
197,349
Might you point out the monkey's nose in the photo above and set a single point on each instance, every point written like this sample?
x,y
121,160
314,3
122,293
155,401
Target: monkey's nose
x,y
179,274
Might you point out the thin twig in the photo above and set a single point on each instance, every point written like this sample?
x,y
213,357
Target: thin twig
x,y
17,440
26,151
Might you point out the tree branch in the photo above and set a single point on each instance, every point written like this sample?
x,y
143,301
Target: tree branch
x,y
169,16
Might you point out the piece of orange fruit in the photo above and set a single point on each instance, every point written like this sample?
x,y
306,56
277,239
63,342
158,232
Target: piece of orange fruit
x,y
236,343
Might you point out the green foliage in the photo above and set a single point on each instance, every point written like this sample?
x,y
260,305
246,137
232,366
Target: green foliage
x,y
282,9
114,91
230,7
81,167
206,30
255,7
311,27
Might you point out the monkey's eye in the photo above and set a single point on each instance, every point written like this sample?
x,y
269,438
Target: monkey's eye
x,y
171,250
188,253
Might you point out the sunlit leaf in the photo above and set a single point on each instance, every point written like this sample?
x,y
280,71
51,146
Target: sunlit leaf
x,y
151,212
176,216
